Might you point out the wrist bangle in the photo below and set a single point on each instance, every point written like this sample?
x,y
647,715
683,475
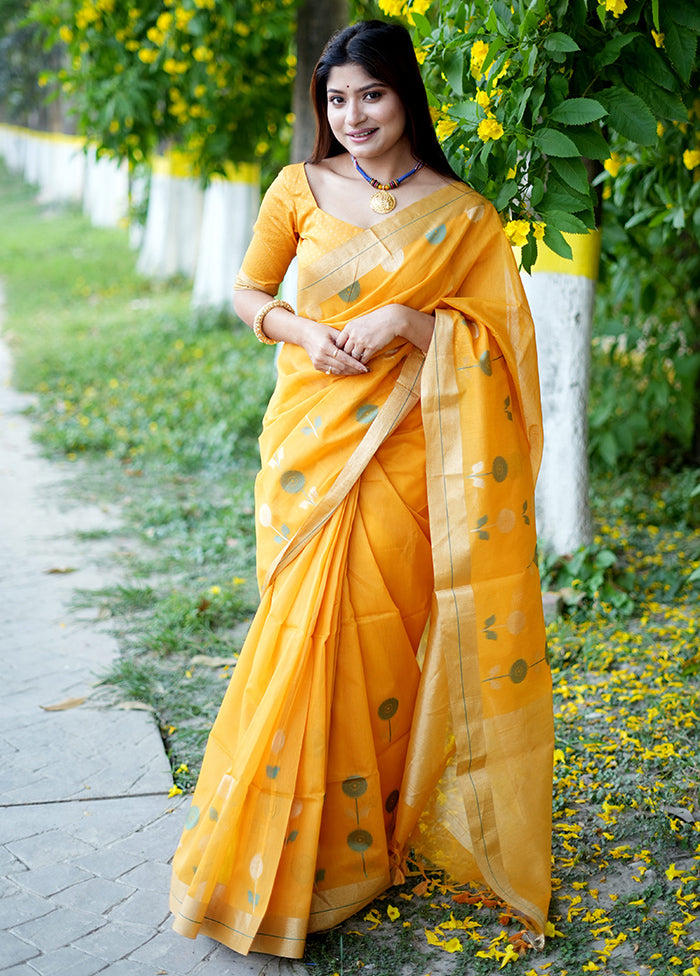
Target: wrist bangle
x,y
258,321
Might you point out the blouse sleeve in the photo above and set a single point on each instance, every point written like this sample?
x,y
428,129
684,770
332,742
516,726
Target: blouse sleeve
x,y
275,238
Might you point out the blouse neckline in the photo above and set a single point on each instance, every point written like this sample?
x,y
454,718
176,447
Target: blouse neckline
x,y
378,223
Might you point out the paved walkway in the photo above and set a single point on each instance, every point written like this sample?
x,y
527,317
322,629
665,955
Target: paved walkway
x,y
86,825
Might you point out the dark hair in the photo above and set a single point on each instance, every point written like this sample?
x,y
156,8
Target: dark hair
x,y
386,53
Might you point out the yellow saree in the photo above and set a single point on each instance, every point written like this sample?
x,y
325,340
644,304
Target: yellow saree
x,y
385,501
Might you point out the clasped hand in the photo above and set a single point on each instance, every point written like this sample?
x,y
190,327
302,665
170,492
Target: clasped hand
x,y
347,352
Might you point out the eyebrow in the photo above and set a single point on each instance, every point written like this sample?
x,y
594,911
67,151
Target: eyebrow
x,y
372,84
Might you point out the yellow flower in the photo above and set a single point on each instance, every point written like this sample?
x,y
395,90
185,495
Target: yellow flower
x,y
691,158
393,912
148,55
215,590
174,67
114,126
517,232
481,98
420,54
66,34
613,164
392,8
616,7
489,129
182,18
155,36
445,128
202,54
660,129
164,21
174,791
478,55
658,38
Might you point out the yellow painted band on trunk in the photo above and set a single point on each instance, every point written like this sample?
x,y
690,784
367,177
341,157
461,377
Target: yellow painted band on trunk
x,y
183,165
77,141
583,263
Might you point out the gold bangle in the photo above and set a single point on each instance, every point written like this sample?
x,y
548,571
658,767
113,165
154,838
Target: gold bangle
x,y
258,321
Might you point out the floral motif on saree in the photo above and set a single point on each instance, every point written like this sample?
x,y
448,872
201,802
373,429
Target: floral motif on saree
x,y
389,505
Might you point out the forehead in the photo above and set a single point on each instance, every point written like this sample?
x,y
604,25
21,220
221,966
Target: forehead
x,y
350,76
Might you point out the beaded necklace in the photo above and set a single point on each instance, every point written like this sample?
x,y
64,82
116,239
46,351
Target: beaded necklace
x,y
383,201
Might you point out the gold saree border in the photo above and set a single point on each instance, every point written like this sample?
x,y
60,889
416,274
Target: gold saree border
x,y
454,632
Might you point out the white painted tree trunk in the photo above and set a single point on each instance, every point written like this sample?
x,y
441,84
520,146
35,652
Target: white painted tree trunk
x,y
561,296
106,193
171,235
13,147
230,208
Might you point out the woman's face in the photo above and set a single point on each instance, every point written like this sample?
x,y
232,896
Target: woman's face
x,y
365,115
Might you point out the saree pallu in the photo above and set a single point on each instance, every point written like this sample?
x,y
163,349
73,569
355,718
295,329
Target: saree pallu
x,y
381,520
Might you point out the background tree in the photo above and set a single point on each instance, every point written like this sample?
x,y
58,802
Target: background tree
x,y
532,100
213,79
315,24
22,59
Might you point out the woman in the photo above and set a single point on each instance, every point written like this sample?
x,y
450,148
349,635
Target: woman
x,y
395,501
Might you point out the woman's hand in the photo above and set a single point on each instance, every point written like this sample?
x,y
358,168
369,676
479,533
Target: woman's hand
x,y
320,342
364,336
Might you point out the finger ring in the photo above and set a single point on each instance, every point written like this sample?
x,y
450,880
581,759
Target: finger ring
x,y
328,371
335,352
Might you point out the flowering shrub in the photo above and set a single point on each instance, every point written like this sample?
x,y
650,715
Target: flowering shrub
x,y
524,93
214,78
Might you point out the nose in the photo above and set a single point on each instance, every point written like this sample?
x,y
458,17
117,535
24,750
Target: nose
x,y
355,112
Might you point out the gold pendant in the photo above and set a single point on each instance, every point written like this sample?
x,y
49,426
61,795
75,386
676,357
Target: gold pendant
x,y
382,202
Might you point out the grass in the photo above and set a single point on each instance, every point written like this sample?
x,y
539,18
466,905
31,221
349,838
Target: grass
x,y
159,409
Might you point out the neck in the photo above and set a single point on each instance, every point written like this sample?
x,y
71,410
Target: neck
x,y
389,165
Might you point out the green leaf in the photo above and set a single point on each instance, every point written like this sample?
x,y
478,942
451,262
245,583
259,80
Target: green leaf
x,y
554,240
663,104
573,172
466,110
680,44
528,254
422,23
552,142
648,60
629,116
655,13
640,218
578,111
505,194
536,191
560,42
687,14
612,49
591,143
454,70
565,222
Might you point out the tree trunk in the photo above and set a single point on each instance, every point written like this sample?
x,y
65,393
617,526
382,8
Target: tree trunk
x,y
315,24
561,294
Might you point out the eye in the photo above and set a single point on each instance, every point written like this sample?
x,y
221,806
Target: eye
x,y
372,96
335,100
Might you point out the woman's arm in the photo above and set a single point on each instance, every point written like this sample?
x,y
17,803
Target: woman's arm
x,y
317,339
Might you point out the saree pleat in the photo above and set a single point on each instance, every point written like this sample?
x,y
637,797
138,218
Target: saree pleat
x,y
334,752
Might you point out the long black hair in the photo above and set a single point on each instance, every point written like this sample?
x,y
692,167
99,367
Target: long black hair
x,y
385,51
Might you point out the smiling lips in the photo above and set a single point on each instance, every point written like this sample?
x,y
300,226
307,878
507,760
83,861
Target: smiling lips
x,y
361,134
